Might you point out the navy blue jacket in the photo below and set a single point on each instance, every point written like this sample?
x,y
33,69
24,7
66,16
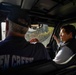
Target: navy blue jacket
x,y
16,51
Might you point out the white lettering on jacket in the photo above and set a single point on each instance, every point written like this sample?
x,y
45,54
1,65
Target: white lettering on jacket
x,y
14,60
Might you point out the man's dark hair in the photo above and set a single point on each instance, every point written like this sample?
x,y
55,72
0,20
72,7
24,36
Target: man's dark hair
x,y
69,29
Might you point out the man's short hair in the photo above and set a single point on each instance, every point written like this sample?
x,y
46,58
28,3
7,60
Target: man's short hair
x,y
17,28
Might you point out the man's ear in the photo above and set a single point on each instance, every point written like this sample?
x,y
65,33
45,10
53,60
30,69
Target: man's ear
x,y
71,35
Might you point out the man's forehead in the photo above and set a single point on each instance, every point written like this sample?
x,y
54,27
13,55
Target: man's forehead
x,y
62,30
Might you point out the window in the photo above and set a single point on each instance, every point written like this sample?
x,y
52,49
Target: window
x,y
3,30
42,33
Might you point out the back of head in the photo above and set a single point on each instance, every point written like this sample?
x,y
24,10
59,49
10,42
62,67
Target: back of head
x,y
69,29
19,20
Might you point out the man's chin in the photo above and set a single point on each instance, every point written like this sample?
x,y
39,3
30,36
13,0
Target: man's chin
x,y
61,39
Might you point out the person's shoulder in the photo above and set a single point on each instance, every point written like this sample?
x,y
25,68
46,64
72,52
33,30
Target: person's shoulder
x,y
36,43
2,43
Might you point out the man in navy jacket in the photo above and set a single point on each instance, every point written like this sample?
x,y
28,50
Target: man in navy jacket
x,y
15,50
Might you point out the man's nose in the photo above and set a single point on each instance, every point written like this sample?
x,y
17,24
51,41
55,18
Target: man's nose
x,y
60,34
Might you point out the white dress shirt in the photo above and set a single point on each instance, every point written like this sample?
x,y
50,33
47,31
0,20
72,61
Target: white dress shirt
x,y
63,55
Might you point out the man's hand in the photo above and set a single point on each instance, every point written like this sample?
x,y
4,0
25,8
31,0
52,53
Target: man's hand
x,y
34,40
